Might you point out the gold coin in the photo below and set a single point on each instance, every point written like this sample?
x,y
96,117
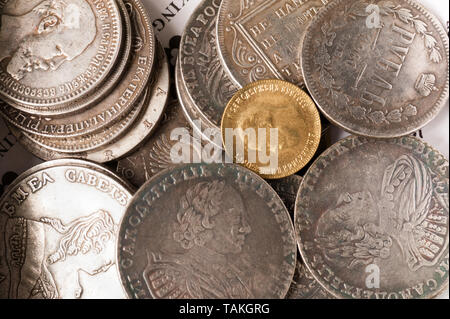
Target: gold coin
x,y
271,127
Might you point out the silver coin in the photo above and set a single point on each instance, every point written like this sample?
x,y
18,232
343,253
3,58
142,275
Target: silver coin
x,y
143,126
287,189
120,100
56,51
207,83
208,131
262,39
60,221
206,231
379,68
155,155
113,132
37,124
372,219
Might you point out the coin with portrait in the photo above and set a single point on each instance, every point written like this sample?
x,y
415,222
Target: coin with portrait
x,y
59,222
206,231
55,51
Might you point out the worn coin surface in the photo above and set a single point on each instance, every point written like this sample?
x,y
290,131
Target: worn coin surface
x,y
155,155
305,286
287,189
206,231
55,51
207,83
279,106
378,68
207,130
115,105
60,222
155,101
262,39
31,123
384,234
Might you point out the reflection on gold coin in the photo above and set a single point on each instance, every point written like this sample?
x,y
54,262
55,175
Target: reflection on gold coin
x,y
271,127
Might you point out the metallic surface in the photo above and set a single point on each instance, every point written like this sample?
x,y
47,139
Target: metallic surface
x,y
121,100
154,156
273,104
53,52
377,69
144,125
208,131
372,219
206,231
262,39
35,124
207,83
60,221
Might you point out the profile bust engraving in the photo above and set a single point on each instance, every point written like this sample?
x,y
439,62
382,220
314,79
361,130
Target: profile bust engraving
x,y
37,271
210,230
44,35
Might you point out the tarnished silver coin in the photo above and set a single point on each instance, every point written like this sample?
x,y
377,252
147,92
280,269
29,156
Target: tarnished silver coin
x,y
155,99
262,39
206,231
207,83
305,286
155,155
287,189
59,223
54,51
120,100
208,131
35,124
377,68
385,233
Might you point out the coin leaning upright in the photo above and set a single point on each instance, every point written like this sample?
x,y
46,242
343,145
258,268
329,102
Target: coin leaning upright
x,y
377,69
276,126
226,235
207,83
53,51
385,234
60,221
262,39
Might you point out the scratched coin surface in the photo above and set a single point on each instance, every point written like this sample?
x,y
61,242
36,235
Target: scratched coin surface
x,y
55,51
207,83
207,131
32,123
59,222
115,105
262,39
386,228
155,99
155,155
378,68
206,231
274,119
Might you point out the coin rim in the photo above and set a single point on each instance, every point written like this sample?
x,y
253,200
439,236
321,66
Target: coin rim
x,y
370,133
300,244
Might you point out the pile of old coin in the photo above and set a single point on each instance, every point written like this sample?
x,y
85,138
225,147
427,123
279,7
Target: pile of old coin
x,y
81,79
369,218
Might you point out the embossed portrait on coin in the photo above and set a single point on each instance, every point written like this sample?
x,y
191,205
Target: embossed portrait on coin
x,y
41,36
37,271
211,230
362,228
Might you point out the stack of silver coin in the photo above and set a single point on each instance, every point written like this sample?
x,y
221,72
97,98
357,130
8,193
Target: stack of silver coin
x,y
81,79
